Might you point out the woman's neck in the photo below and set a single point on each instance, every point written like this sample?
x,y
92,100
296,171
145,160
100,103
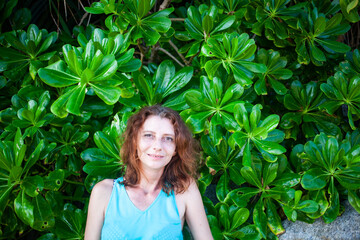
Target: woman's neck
x,y
150,182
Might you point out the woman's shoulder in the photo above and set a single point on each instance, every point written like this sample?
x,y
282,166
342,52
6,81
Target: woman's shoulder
x,y
191,189
103,188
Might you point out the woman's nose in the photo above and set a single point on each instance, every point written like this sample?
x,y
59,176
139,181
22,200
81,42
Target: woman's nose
x,y
157,144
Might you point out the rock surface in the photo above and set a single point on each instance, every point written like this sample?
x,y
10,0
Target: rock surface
x,y
344,227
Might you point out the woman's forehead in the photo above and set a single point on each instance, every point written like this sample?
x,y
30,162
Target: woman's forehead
x,y
158,124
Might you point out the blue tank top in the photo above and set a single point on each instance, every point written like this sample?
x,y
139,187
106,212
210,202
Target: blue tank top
x,y
160,221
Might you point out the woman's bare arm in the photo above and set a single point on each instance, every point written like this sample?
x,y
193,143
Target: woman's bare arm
x,y
195,214
99,199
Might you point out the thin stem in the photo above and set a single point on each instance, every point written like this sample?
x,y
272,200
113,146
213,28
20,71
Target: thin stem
x,y
192,58
177,51
177,19
142,54
73,182
170,55
82,5
164,5
153,52
83,18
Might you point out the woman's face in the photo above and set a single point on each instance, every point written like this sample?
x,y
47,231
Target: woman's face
x,y
156,143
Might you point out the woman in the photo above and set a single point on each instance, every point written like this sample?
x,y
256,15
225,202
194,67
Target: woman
x,y
158,191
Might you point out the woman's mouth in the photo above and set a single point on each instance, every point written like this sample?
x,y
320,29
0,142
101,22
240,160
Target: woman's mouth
x,y
155,156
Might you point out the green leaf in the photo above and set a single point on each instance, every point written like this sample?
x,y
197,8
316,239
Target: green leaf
x,y
106,69
196,101
224,216
240,217
225,24
32,185
334,209
269,173
150,36
71,223
353,4
105,143
19,148
273,219
207,24
34,157
76,99
317,53
24,208
259,218
250,176
241,196
351,15
160,24
334,46
354,200
222,188
43,216
315,179
287,180
110,95
95,154
308,206
15,174
54,180
270,147
319,26
59,106
251,232
57,78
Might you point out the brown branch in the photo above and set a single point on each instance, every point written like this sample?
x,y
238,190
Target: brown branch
x,y
192,58
83,18
177,51
65,10
153,52
164,5
88,20
177,19
82,5
170,55
142,54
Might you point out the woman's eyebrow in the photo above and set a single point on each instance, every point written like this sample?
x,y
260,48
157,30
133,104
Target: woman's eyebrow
x,y
149,131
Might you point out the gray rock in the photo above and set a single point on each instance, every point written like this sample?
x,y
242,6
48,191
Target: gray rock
x,y
344,227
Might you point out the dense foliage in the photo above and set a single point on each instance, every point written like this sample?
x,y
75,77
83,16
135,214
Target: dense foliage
x,y
270,88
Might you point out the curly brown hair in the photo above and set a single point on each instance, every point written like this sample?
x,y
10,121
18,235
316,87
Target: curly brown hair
x,y
182,167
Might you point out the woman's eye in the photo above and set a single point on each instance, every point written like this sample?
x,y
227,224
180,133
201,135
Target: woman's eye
x,y
147,135
169,139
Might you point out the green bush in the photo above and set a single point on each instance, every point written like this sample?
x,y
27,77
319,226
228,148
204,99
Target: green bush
x,y
267,86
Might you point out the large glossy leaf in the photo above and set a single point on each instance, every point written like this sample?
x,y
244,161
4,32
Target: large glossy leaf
x,y
341,90
43,215
219,105
70,225
315,179
275,71
354,200
236,53
240,217
274,220
305,101
24,208
255,132
259,218
94,65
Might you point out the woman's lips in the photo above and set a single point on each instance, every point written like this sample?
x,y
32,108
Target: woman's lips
x,y
155,156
